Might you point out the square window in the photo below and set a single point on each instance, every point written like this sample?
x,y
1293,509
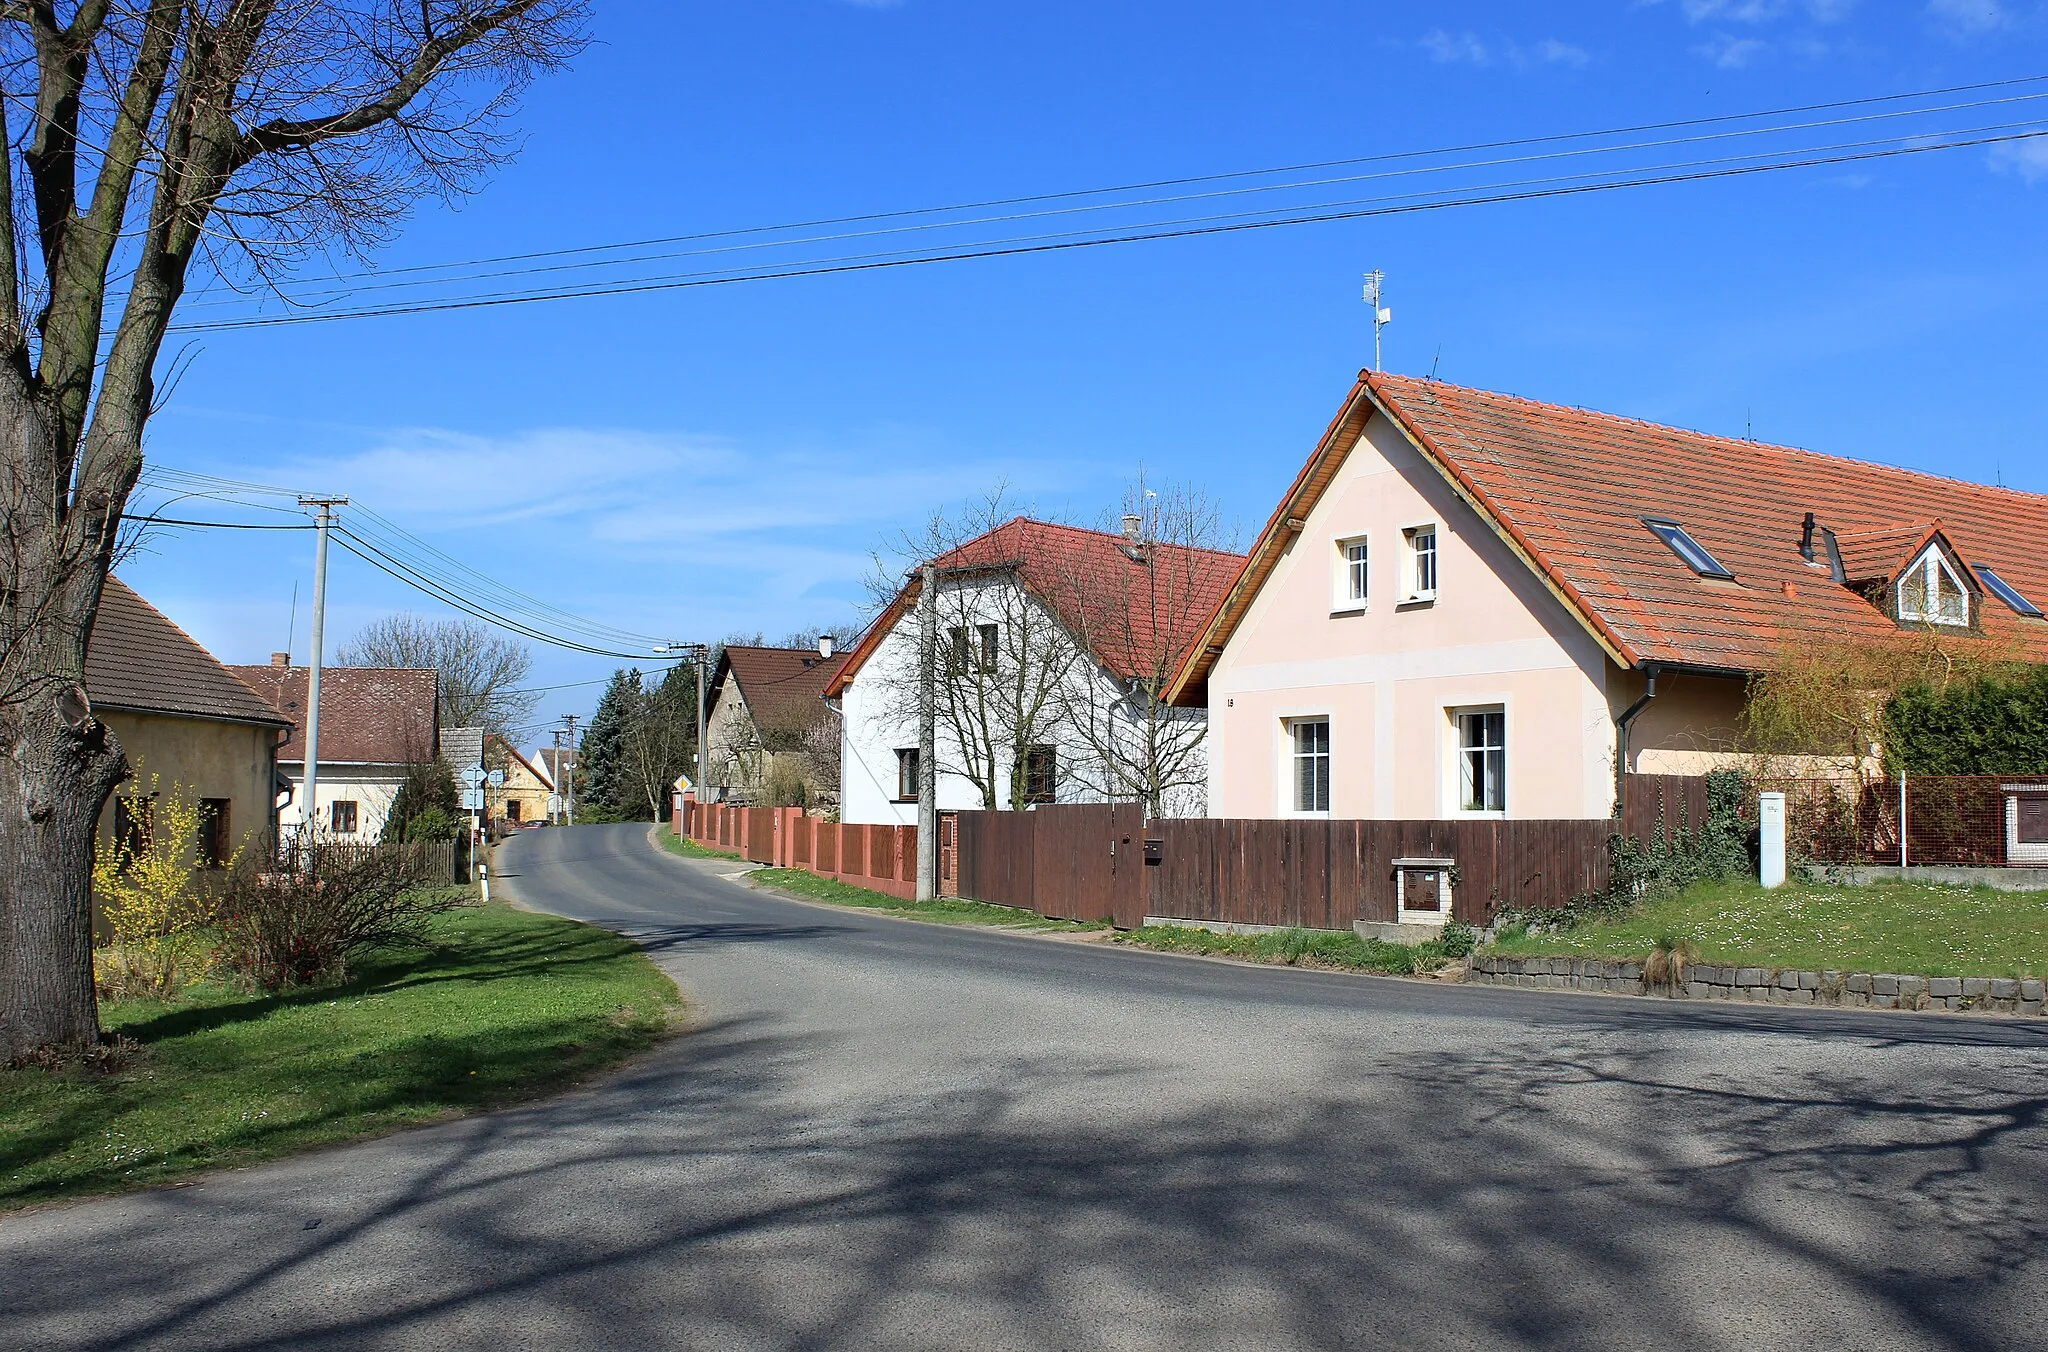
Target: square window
x,y
1482,759
1354,579
1420,542
906,774
1041,771
341,816
1310,755
214,849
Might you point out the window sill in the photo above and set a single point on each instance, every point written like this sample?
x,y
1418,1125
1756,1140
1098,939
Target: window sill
x,y
1479,814
1425,599
1358,609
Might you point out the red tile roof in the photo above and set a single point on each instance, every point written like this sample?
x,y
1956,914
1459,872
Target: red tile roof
x,y
368,715
1568,490
137,660
1097,588
784,688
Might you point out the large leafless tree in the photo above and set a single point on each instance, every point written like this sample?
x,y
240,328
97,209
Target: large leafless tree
x,y
480,671
149,144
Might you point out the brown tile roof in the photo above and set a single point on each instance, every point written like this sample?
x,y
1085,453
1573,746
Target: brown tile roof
x,y
784,687
138,660
1096,587
1568,490
368,715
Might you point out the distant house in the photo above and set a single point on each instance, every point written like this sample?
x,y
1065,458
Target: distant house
x,y
770,739
523,797
375,724
1471,604
184,717
1052,644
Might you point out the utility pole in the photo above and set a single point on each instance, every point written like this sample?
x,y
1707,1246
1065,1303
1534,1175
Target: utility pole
x,y
1381,314
570,776
309,811
928,737
699,654
556,816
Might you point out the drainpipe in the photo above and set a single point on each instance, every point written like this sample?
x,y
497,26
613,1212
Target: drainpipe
x,y
1622,725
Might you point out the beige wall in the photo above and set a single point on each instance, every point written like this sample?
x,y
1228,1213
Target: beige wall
x,y
1691,727
211,759
1390,676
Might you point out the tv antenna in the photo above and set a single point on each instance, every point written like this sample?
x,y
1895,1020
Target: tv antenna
x,y
1381,314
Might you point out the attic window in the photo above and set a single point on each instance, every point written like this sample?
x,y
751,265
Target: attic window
x,y
1690,551
2007,593
1930,591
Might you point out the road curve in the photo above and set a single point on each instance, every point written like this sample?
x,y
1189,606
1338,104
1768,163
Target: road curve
x,y
887,1134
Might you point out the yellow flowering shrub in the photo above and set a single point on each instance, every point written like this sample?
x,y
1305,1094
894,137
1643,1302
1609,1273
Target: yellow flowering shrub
x,y
153,896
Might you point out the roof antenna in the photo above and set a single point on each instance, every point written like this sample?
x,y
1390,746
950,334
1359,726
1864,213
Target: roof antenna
x,y
1434,361
1748,425
1381,315
291,628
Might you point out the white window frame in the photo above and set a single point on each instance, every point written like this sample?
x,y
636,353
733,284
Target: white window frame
x,y
1409,592
1351,584
1454,780
1290,768
1934,563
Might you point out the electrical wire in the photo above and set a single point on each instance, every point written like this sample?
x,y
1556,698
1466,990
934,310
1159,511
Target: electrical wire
x,y
1492,195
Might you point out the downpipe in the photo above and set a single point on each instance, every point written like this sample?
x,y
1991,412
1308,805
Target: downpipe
x,y
1622,725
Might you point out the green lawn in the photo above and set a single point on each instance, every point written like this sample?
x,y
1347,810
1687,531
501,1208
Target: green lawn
x,y
1907,927
689,848
504,1005
1328,949
945,910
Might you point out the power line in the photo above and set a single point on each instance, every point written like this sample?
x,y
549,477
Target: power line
x,y
1236,175
211,525
1493,195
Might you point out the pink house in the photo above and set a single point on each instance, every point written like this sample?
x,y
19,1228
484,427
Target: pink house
x,y
1475,604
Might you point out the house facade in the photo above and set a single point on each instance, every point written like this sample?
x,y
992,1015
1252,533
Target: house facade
x,y
1471,604
182,716
1050,643
770,738
523,797
375,724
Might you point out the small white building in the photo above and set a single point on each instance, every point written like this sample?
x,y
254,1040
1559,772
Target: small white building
x,y
1051,645
375,724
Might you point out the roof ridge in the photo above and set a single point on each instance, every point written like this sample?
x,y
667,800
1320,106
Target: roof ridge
x,y
1780,448
1111,535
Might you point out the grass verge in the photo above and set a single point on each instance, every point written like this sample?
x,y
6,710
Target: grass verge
x,y
1928,929
688,848
501,1005
945,910
1326,949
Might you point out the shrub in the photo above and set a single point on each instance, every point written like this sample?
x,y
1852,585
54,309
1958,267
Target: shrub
x,y
1716,849
432,824
322,907
152,897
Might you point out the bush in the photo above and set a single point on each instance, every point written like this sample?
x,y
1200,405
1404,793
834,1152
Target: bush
x,y
152,897
429,787
432,824
1716,849
323,907
1987,726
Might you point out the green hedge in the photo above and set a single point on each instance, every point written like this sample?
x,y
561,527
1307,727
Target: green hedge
x,y
1980,727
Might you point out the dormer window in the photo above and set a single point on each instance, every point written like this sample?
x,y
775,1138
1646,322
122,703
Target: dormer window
x,y
1690,551
1931,592
2008,593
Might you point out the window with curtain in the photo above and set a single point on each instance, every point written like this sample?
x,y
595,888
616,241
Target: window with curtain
x,y
1483,760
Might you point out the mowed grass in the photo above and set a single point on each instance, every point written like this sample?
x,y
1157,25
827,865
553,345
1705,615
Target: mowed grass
x,y
690,849
502,1005
944,910
1329,950
1929,929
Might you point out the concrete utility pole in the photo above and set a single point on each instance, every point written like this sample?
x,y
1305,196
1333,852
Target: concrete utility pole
x,y
556,816
310,808
570,774
928,737
699,654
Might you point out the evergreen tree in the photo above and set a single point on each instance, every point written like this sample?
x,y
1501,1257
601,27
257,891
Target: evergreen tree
x,y
605,784
428,787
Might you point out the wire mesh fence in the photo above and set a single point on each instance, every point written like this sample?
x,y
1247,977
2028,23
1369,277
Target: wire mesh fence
x,y
1981,821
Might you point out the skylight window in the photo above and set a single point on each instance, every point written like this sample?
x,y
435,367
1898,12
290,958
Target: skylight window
x,y
2007,593
1690,551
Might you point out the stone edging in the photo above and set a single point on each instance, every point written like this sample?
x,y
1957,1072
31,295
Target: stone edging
x,y
1768,985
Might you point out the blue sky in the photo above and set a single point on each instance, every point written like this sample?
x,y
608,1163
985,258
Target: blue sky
x,y
695,463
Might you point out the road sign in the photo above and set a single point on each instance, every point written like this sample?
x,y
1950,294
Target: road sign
x,y
496,779
554,803
472,800
474,776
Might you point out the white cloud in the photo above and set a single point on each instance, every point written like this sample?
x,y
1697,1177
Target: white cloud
x,y
1968,18
1466,48
1732,53
2028,159
1449,47
1763,11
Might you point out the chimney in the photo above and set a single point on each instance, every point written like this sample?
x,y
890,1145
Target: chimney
x,y
280,659
1134,527
824,645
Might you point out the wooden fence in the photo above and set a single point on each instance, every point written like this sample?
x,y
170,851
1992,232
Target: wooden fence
x,y
1107,863
437,860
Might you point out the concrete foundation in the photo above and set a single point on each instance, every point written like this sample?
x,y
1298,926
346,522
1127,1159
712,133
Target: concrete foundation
x,y
1406,935
2004,879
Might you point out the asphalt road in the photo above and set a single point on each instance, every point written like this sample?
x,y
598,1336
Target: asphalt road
x,y
887,1134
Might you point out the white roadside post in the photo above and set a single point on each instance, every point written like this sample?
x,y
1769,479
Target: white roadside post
x,y
1770,821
